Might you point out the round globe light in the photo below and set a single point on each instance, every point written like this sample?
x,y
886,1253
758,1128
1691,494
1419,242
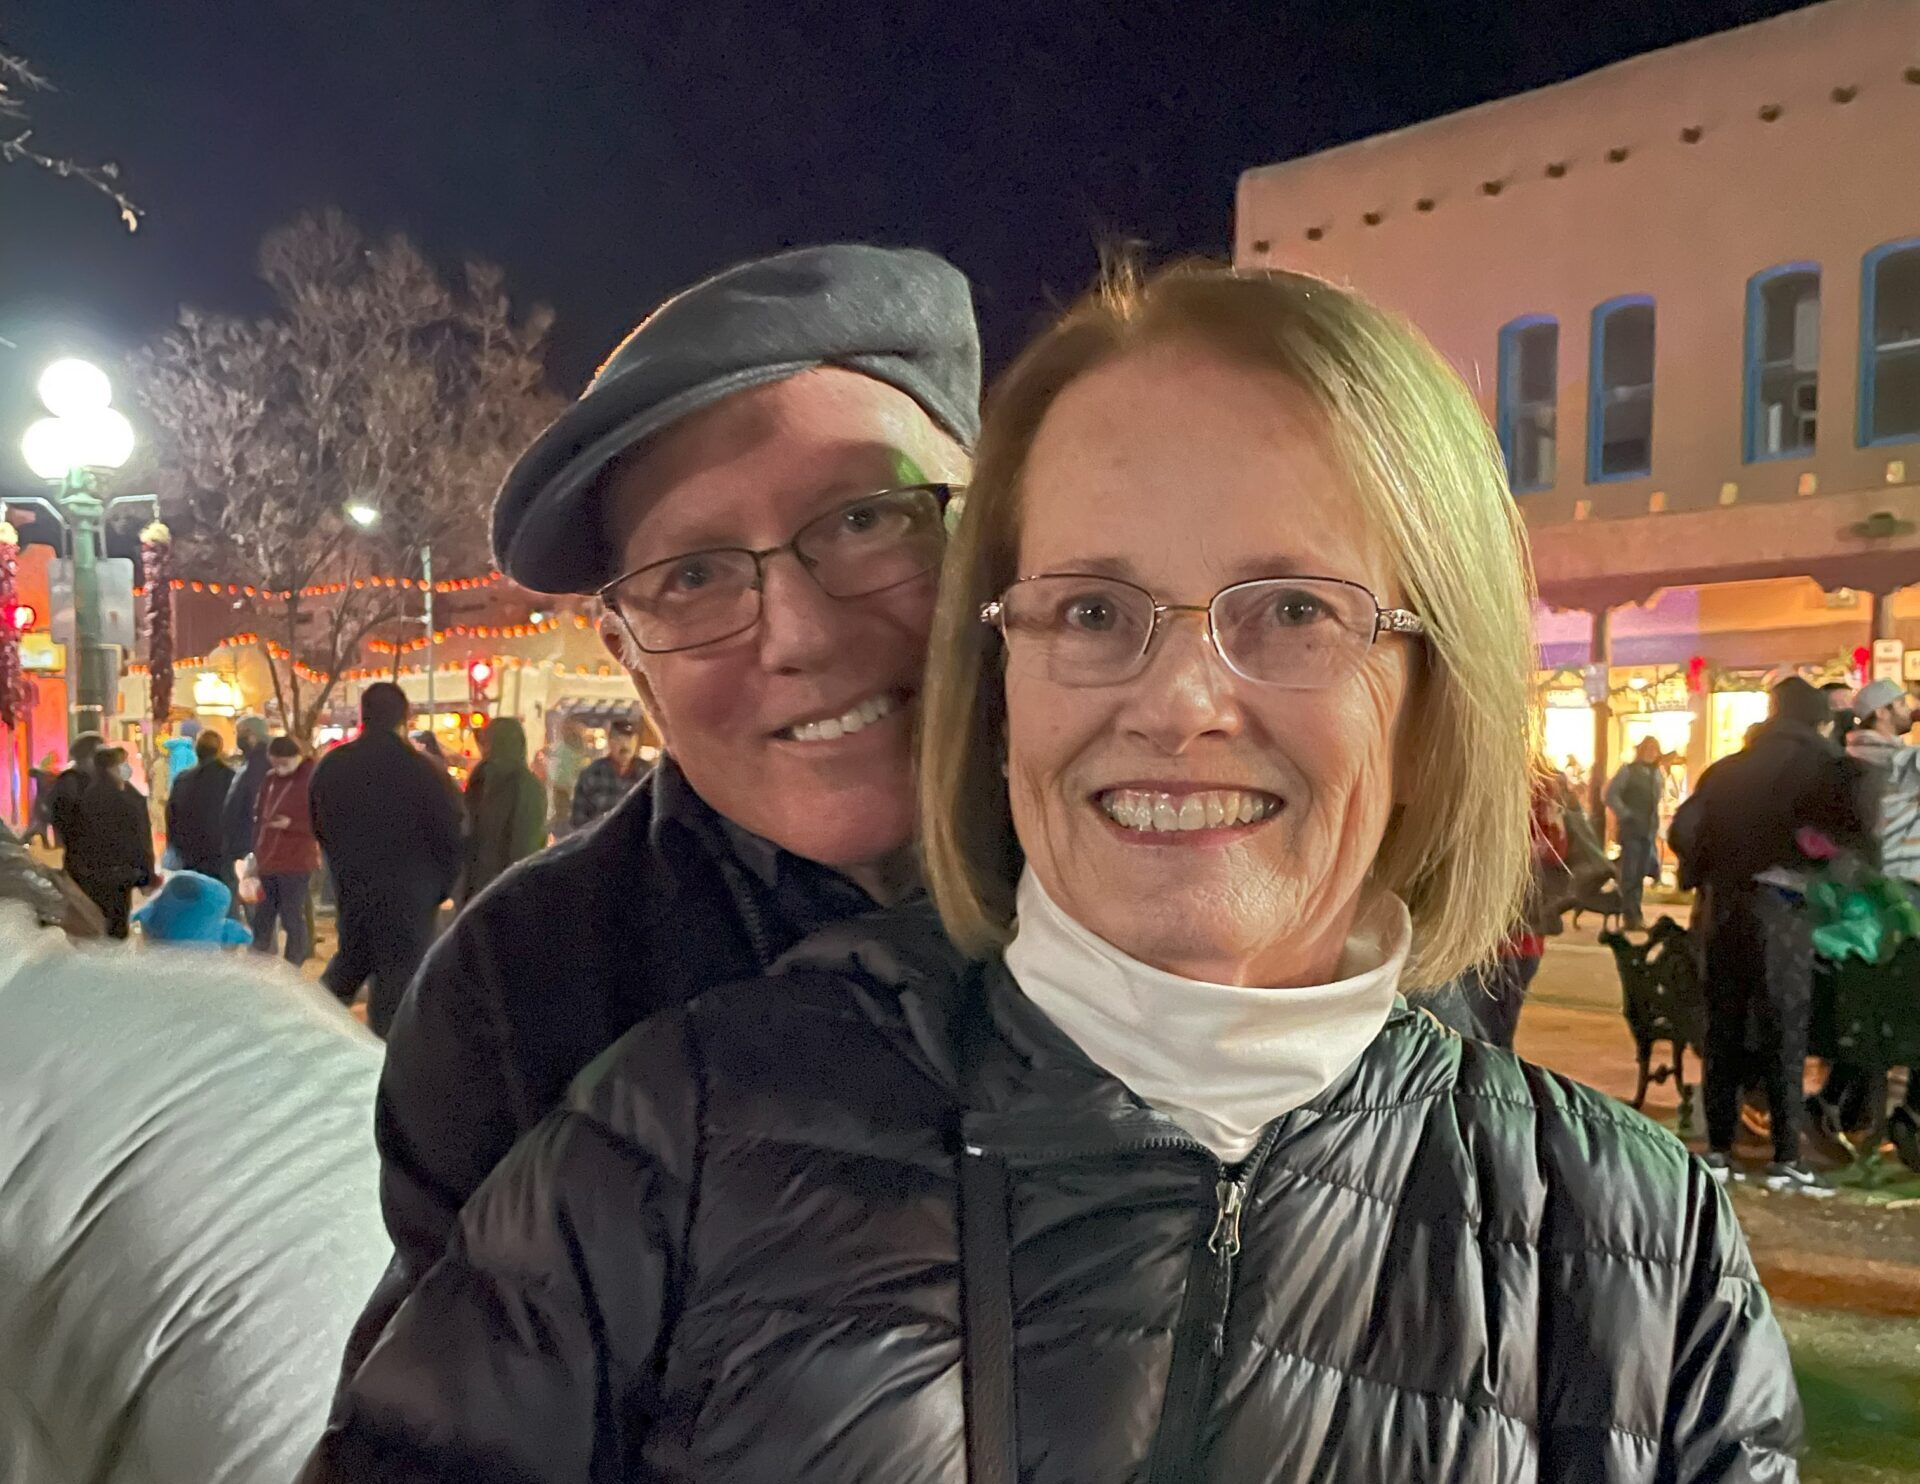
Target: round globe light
x,y
72,388
103,438
48,448
363,515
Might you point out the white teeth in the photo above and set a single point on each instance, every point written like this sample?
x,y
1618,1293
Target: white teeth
x,y
1160,813
861,716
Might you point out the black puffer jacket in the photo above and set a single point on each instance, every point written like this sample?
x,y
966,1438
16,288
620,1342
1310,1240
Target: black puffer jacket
x,y
734,1257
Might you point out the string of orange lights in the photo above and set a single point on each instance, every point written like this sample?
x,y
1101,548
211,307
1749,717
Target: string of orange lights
x,y
477,631
328,589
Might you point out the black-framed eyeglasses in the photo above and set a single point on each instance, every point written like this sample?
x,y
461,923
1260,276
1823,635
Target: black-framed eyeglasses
x,y
1299,633
855,550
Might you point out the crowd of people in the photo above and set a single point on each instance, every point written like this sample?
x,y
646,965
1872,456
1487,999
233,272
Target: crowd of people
x,y
379,818
986,1045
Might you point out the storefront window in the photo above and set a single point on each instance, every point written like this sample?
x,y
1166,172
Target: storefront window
x,y
1732,712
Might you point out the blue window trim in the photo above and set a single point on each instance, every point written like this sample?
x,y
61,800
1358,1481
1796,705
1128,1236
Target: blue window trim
x,y
1869,292
1510,334
1756,288
1596,386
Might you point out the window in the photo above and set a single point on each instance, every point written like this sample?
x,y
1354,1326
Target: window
x,y
1783,361
1890,343
1620,391
1529,385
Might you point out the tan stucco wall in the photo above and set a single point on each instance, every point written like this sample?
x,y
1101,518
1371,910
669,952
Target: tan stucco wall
x,y
1688,223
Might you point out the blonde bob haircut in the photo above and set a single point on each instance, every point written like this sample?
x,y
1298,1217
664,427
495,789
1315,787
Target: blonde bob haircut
x,y
1427,473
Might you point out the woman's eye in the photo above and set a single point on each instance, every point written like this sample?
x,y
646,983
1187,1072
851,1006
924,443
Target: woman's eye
x,y
860,519
1091,615
1297,610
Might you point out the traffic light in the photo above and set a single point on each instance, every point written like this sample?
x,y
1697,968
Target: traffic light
x,y
479,699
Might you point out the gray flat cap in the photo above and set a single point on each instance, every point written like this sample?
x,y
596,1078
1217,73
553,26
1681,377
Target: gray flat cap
x,y
899,315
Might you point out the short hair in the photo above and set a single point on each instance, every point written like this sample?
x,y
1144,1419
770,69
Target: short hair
x,y
383,706
250,731
283,747
81,750
208,746
1427,472
106,759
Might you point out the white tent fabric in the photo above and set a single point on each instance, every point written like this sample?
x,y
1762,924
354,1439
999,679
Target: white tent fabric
x,y
189,1216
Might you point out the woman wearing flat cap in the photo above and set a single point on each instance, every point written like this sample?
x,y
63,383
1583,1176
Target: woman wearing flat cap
x,y
1135,1164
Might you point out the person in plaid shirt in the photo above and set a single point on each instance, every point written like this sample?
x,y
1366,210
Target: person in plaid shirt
x,y
605,781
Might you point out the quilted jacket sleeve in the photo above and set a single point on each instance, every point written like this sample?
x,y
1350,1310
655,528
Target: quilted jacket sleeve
x,y
1733,1413
527,1353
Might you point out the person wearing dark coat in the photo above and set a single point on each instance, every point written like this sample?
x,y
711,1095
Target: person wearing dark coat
x,y
71,783
110,840
1134,1164
506,808
1743,836
196,810
786,400
250,736
391,834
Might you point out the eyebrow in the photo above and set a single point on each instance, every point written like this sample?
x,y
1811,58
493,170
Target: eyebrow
x,y
1246,569
697,535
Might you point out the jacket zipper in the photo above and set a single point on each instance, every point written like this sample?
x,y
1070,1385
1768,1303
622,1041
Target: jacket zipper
x,y
1200,1341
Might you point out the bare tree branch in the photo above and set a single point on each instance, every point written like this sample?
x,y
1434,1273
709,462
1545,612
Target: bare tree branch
x,y
374,382
17,80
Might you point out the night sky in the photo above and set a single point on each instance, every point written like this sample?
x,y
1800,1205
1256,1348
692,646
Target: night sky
x,y
607,153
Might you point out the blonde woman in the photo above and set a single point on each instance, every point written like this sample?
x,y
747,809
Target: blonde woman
x,y
1142,1169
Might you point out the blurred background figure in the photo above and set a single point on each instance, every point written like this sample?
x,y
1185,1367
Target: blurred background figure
x,y
390,828
72,783
196,811
40,821
605,781
250,737
506,808
285,851
1634,798
191,910
109,839
562,766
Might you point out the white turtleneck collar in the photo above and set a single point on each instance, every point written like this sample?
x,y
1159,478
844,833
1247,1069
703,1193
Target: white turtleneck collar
x,y
1221,1060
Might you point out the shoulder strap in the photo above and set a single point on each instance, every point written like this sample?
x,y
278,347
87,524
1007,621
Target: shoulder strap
x,y
986,1288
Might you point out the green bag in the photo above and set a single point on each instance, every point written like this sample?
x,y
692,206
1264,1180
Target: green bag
x,y
1865,918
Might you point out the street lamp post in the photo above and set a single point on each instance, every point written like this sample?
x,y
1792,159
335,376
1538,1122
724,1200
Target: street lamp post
x,y
83,437
367,517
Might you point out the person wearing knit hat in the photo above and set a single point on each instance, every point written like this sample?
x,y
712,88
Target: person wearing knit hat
x,y
1742,836
756,485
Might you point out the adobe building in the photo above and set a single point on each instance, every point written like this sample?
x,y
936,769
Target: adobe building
x,y
1687,289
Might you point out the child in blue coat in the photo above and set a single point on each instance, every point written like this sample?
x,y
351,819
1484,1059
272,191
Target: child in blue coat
x,y
192,909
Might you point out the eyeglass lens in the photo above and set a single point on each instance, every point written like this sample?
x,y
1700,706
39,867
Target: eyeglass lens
x,y
1298,632
858,549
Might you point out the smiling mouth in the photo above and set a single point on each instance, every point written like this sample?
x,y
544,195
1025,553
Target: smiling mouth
x,y
831,728
1154,813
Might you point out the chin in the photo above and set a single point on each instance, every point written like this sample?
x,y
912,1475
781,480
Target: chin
x,y
855,839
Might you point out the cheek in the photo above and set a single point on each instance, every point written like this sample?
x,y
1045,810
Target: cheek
x,y
905,615
1048,730
1348,746
711,697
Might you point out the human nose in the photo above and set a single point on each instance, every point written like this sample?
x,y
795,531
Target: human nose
x,y
1186,691
800,626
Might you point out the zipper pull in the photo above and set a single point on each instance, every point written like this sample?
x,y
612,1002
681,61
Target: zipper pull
x,y
1225,1241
